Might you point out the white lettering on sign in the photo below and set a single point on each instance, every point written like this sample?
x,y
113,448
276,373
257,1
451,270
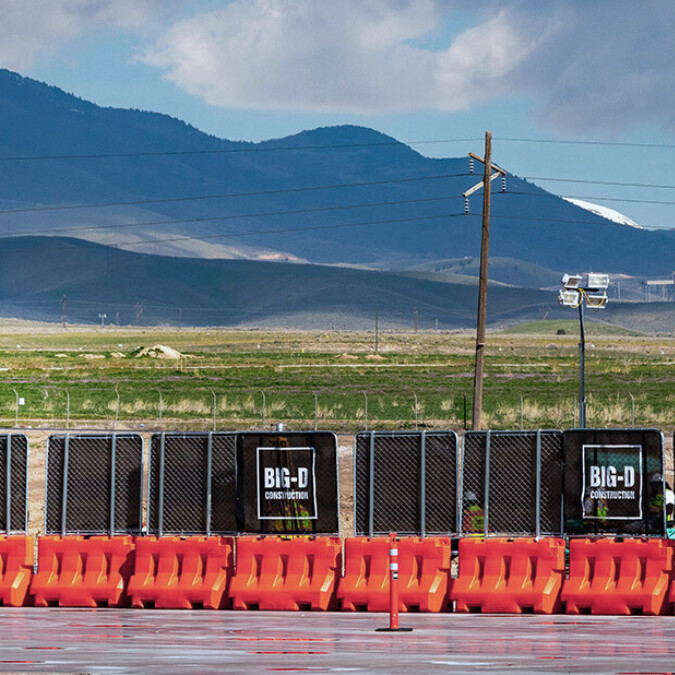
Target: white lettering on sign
x,y
282,477
609,477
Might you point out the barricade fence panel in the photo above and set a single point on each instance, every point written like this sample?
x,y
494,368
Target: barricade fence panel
x,y
13,483
192,483
614,482
94,484
405,482
512,482
287,483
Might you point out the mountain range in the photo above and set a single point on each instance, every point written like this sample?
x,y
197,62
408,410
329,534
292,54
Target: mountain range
x,y
164,198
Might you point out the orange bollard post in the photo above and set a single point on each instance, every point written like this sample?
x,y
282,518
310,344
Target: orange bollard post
x,y
393,589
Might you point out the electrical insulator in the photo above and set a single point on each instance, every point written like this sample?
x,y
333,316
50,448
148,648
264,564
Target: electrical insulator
x,y
466,206
471,166
503,183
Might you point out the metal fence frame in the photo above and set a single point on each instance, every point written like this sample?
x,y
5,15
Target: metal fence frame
x,y
489,436
112,437
208,510
8,487
422,501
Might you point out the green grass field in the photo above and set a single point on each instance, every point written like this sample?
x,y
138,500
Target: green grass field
x,y
92,377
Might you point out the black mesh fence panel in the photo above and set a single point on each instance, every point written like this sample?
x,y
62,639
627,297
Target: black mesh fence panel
x,y
13,483
287,483
614,481
192,483
512,482
405,482
99,479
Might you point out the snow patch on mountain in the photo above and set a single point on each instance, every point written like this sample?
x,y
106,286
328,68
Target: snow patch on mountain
x,y
604,212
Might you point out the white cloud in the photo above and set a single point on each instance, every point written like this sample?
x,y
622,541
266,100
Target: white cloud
x,y
33,28
586,64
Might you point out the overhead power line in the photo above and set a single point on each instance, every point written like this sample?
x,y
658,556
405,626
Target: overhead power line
x,y
230,195
606,199
599,182
206,219
574,142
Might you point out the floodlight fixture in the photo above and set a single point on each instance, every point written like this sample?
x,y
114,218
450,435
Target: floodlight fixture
x,y
596,282
572,280
569,298
579,291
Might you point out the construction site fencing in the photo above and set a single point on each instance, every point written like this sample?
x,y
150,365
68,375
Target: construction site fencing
x,y
512,483
13,483
406,482
288,483
615,481
186,471
94,484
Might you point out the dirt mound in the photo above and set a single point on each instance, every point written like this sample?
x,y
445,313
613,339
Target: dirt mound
x,y
375,357
347,357
159,352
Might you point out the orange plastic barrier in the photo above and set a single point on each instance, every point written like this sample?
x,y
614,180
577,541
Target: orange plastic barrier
x,y
16,570
512,576
614,576
424,574
75,571
181,573
286,573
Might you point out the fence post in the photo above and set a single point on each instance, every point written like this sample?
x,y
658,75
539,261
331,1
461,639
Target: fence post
x,y
522,411
371,485
16,408
160,508
64,495
117,406
486,503
264,409
8,486
365,410
415,395
215,408
632,409
160,406
67,409
316,412
423,484
113,460
209,482
537,525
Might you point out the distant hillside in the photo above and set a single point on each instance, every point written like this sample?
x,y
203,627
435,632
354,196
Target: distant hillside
x,y
35,272
135,288
504,270
189,193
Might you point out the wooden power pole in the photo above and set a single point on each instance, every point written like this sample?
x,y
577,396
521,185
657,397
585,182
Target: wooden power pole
x,y
488,177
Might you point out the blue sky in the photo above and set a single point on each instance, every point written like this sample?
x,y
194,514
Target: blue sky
x,y
595,71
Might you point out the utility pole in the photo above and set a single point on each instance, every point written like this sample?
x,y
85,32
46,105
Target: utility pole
x,y
488,177
63,311
377,328
180,317
416,317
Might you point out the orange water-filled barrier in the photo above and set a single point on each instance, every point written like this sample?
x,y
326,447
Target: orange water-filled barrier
x,y
614,576
181,573
423,568
509,576
16,569
280,573
74,571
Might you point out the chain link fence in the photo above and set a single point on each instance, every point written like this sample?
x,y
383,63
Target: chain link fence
x,y
186,471
405,482
512,483
13,483
94,484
